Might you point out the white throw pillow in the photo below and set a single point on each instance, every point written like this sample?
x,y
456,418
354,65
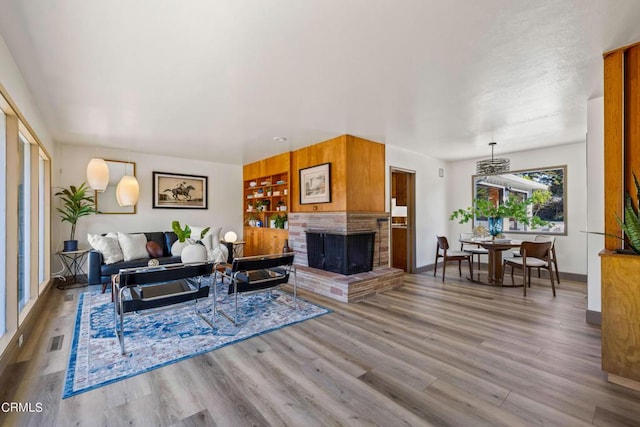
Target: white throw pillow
x,y
211,240
108,246
219,254
134,246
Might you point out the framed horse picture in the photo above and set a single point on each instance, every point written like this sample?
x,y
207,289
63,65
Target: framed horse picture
x,y
179,191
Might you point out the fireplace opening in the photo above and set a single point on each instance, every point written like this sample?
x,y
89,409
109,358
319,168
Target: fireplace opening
x,y
343,253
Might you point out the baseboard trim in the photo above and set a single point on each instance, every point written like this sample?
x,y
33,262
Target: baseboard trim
x,y
594,318
424,268
624,382
572,277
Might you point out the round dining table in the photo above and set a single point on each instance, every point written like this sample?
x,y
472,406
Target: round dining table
x,y
494,247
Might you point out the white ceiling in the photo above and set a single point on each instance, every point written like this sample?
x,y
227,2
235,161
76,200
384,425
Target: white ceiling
x,y
218,79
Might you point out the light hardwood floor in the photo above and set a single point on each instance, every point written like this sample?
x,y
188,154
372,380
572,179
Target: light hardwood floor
x,y
425,354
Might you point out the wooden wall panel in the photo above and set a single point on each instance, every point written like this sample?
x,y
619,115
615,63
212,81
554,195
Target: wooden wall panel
x,y
632,115
332,151
269,166
621,315
365,175
613,143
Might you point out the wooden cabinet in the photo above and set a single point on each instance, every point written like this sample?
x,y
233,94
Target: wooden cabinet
x,y
266,195
263,241
621,316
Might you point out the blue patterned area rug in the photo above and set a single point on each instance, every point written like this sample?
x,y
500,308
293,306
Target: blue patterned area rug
x,y
169,336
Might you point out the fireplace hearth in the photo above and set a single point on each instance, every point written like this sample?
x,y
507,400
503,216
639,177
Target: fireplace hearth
x,y
341,252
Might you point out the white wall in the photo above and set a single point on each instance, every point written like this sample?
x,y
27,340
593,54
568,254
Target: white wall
x,y
595,198
225,194
571,249
17,89
431,213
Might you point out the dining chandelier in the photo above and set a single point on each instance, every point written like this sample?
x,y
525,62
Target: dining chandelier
x,y
493,165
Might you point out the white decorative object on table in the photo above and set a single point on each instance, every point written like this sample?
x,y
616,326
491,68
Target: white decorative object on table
x,y
193,252
176,248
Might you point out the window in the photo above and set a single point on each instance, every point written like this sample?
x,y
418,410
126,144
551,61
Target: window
x,y
25,198
3,223
24,222
547,188
42,214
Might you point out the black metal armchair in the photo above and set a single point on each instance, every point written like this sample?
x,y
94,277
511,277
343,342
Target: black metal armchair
x,y
156,287
255,274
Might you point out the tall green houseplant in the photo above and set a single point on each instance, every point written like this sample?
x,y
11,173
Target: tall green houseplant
x,y
631,223
75,204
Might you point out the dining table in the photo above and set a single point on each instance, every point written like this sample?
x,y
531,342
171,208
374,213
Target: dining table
x,y
494,248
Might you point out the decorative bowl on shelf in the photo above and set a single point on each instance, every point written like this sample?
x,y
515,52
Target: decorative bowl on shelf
x,y
253,184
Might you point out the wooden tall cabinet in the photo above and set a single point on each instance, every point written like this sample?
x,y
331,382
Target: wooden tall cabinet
x,y
620,283
267,192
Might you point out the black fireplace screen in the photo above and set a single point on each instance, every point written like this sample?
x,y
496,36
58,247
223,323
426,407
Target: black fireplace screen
x,y
341,253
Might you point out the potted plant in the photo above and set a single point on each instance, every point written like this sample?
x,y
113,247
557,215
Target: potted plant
x,y
495,213
631,223
251,220
278,221
75,204
184,238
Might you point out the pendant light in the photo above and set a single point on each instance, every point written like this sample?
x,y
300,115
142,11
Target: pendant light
x,y
492,166
128,190
98,174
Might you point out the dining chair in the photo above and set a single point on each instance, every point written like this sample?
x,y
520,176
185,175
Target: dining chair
x,y
532,255
554,258
442,251
472,249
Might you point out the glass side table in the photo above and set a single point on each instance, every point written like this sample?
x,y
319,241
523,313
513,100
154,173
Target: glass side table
x,y
72,262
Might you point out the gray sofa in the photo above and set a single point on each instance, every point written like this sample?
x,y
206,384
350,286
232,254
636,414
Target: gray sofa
x,y
99,273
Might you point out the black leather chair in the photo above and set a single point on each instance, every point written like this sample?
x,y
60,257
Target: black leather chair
x,y
255,274
155,287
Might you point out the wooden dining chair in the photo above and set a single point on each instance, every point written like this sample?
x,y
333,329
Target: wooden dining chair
x,y
532,255
442,251
554,258
472,249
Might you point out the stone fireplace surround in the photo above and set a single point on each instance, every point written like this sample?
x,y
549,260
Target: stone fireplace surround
x,y
338,286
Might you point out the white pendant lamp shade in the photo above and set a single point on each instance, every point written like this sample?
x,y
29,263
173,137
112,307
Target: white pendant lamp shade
x,y
230,236
127,191
98,174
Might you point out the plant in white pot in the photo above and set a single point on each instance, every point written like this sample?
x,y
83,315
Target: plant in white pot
x,y
75,204
189,250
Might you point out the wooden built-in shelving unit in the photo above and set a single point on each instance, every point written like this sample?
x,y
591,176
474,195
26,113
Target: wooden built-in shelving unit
x,y
266,192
